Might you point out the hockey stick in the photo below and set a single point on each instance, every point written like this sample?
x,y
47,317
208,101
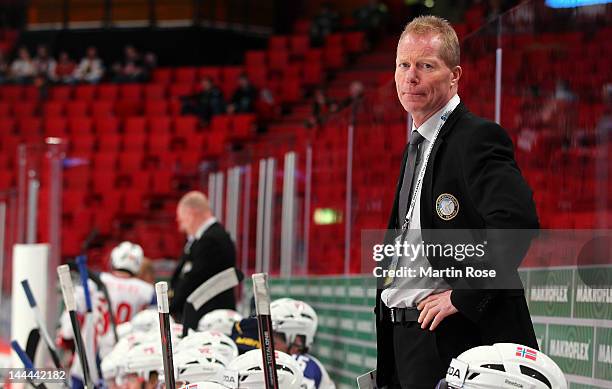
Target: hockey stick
x,y
95,277
63,273
264,321
161,289
39,322
27,363
214,286
88,323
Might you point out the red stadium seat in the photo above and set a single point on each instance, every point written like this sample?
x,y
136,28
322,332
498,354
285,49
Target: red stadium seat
x,y
128,107
334,40
334,57
103,180
258,75
242,126
55,126
61,92
102,108
24,109
255,58
11,92
299,45
107,125
154,108
132,202
109,142
29,126
130,91
185,126
80,125
313,73
221,123
107,91
31,93
162,75
278,59
77,108
5,109
53,108
85,92
178,90
354,41
133,142
105,161
162,182
130,162
155,91
82,143
208,71
160,124
291,91
278,42
7,126
159,142
185,74
134,124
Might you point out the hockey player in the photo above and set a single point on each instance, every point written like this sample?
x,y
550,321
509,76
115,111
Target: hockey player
x,y
128,294
295,325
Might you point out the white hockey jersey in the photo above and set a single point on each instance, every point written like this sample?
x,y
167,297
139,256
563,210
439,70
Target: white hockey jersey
x,y
315,375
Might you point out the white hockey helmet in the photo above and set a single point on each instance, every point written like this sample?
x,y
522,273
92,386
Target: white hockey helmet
x,y
249,367
219,320
147,320
503,365
127,256
144,359
294,317
199,364
218,342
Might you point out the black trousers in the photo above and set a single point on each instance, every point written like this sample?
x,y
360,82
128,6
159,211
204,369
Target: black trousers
x,y
423,356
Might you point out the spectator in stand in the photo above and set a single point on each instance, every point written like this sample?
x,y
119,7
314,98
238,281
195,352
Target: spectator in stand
x,y
22,69
206,103
150,63
356,91
321,107
371,19
64,70
4,68
243,100
132,67
44,64
91,68
326,22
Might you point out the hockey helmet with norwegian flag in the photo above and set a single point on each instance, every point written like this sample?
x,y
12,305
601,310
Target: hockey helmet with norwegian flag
x,y
247,369
219,320
503,365
294,318
127,256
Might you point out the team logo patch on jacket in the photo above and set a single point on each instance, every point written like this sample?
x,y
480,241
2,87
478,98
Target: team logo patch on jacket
x,y
447,206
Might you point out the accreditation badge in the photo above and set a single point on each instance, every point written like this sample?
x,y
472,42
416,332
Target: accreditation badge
x,y
447,206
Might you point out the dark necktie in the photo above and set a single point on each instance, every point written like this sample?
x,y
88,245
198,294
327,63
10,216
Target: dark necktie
x,y
411,162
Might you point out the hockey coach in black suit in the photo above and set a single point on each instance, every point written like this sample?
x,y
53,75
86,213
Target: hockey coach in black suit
x,y
208,251
458,173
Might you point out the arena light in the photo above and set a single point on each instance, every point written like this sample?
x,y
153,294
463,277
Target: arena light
x,y
574,3
324,216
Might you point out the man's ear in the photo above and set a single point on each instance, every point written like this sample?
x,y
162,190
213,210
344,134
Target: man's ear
x,y
457,72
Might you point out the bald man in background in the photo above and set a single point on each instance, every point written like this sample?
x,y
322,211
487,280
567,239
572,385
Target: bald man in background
x,y
208,251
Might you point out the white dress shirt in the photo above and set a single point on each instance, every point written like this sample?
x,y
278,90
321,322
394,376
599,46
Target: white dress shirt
x,y
405,292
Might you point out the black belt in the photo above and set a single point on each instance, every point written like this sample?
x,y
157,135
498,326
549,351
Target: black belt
x,y
403,315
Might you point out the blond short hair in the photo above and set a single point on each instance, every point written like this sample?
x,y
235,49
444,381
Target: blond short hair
x,y
423,25
195,200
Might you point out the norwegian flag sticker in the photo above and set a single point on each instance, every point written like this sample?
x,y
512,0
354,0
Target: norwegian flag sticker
x,y
525,352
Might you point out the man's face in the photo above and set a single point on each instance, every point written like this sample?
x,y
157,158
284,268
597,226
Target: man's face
x,y
184,219
423,80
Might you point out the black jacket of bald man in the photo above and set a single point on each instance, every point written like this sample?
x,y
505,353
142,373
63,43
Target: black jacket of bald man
x,y
473,160
207,256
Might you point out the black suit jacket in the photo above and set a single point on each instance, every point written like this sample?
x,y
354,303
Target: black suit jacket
x,y
473,160
207,256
